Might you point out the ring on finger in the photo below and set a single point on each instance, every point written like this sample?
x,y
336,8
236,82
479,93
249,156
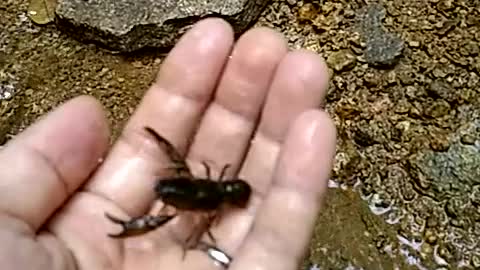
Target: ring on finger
x,y
217,255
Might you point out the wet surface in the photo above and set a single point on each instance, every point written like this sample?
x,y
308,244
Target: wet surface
x,y
409,135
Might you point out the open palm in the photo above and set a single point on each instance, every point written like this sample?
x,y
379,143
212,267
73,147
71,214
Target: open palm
x,y
255,107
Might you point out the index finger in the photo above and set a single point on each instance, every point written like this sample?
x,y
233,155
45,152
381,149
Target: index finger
x,y
172,107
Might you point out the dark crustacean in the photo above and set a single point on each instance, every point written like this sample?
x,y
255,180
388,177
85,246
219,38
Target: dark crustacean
x,y
185,192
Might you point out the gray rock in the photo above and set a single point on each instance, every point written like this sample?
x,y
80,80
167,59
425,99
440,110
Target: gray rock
x,y
448,174
382,48
129,25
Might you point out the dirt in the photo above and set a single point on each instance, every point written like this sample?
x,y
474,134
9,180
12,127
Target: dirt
x,y
405,189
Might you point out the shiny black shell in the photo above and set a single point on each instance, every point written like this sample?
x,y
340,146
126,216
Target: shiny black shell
x,y
188,194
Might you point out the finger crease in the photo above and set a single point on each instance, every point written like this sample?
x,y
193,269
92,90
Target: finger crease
x,y
197,99
50,164
72,259
240,116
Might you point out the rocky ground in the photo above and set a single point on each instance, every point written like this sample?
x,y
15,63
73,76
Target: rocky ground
x,y
405,95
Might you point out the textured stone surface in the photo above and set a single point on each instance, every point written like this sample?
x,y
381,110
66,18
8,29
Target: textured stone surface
x,y
383,48
128,25
447,174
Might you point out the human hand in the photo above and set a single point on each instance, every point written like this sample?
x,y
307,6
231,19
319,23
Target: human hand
x,y
258,112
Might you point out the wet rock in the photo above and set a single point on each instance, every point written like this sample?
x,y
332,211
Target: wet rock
x,y
371,79
439,73
476,196
42,11
430,236
441,89
391,77
307,12
367,134
3,59
468,139
445,27
414,43
398,175
432,222
382,47
7,86
128,25
292,2
451,173
341,60
6,91
438,108
403,106
447,252
454,207
407,77
475,261
439,143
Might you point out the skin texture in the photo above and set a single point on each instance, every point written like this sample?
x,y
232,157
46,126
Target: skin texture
x,y
258,110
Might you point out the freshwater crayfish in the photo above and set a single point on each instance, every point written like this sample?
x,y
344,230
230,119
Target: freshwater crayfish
x,y
186,192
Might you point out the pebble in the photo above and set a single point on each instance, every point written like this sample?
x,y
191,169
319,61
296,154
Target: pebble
x,y
437,108
6,91
414,43
292,2
342,60
383,48
475,261
442,90
468,139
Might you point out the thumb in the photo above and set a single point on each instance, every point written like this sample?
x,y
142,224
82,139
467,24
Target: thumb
x,y
47,162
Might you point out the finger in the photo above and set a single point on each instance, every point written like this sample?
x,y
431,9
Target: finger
x,y
300,84
172,107
45,164
284,222
230,120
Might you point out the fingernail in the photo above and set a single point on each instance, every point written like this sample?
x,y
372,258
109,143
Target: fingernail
x,y
208,33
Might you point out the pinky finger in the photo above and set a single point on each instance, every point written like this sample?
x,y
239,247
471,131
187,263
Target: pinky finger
x,y
284,224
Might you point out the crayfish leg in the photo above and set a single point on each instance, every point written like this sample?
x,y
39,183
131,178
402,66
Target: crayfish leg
x,y
138,225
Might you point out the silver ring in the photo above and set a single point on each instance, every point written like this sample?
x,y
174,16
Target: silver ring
x,y
218,256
